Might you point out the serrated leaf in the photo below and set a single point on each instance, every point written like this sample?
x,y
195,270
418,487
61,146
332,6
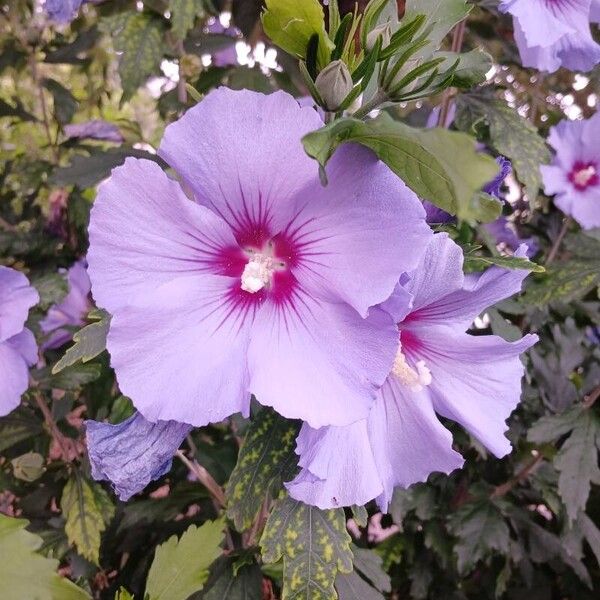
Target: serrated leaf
x,y
577,463
24,573
552,427
123,594
481,531
591,534
227,584
89,343
87,510
138,37
52,288
438,165
370,565
21,424
472,66
265,459
183,15
290,24
70,378
87,171
314,545
65,104
181,566
510,135
477,263
351,586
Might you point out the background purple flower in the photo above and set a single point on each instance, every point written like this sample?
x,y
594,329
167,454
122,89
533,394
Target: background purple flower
x,y
474,380
62,11
227,56
267,276
71,312
95,129
494,187
18,349
505,234
574,175
554,33
133,453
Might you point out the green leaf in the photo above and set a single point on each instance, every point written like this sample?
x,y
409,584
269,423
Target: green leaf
x,y
442,16
510,135
478,263
89,343
360,514
123,594
226,583
438,165
180,566
87,171
65,104
370,566
481,531
87,510
591,534
472,66
52,288
550,428
139,39
577,463
21,424
291,24
183,15
351,586
28,467
314,545
24,573
265,459
70,378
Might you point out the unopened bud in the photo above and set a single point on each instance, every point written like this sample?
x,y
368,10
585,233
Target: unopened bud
x,y
334,83
381,31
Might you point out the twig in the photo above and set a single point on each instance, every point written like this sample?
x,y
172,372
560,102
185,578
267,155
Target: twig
x,y
458,37
46,120
504,488
205,478
558,241
181,87
67,445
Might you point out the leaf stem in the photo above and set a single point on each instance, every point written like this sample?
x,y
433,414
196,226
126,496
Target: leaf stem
x,y
558,241
503,489
458,37
205,478
379,98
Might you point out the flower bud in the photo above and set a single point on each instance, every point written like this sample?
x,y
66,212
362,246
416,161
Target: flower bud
x,y
334,83
384,31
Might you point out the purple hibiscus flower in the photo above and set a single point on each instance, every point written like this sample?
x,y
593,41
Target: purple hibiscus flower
x,y
18,349
134,452
439,368
554,33
71,312
226,56
266,281
97,129
62,11
574,175
505,235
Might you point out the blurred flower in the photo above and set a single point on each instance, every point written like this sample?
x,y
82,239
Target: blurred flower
x,y
505,234
554,33
227,56
57,200
435,215
133,453
267,276
493,187
474,380
574,175
71,312
62,11
95,129
18,349
434,116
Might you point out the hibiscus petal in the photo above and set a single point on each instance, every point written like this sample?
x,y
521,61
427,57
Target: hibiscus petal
x,y
582,206
241,154
15,355
476,380
180,355
133,453
145,232
338,467
16,298
359,233
408,440
318,361
480,291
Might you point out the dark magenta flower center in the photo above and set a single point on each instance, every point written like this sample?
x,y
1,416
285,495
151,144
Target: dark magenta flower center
x,y
584,175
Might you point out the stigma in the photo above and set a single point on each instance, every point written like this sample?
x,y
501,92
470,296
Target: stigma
x,y
257,273
415,379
